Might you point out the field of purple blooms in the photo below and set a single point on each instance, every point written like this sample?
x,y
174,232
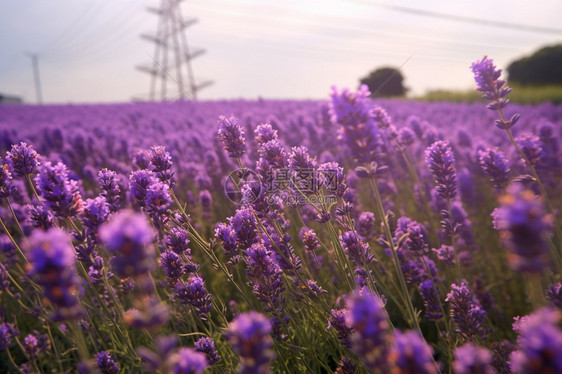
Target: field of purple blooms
x,y
338,236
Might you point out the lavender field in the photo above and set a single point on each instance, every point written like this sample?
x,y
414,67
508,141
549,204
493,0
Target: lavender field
x,y
347,235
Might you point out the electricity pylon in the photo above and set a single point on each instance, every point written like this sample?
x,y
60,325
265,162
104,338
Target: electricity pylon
x,y
172,53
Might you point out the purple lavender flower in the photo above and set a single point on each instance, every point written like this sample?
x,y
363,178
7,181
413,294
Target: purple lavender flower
x,y
129,237
96,211
265,276
440,161
313,289
471,359
250,337
35,343
332,178
161,162
281,247
193,292
531,147
52,262
273,154
365,225
232,136
299,158
410,353
173,265
141,159
413,271
110,188
139,183
493,89
309,239
554,294
430,296
177,241
501,352
381,116
416,241
157,202
540,343
60,194
406,136
207,345
446,254
244,224
353,111
4,279
466,312
523,227
6,188
495,165
7,333
95,271
40,216
23,159
228,237
550,144
264,133
357,250
346,366
206,201
337,320
367,316
106,363
189,361
31,346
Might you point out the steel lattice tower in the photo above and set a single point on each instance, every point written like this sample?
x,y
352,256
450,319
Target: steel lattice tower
x,y
172,53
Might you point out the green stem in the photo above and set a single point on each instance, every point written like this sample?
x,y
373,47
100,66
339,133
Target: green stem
x,y
454,241
388,233
13,240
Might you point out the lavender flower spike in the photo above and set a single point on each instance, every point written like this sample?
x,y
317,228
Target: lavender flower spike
x,y
540,343
250,337
129,236
23,159
60,194
495,166
493,89
189,361
193,293
232,136
265,276
207,345
106,363
430,297
471,359
467,312
366,314
110,188
410,353
440,160
357,251
52,260
523,227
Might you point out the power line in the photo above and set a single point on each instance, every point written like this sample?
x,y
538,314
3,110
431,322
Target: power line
x,y
457,18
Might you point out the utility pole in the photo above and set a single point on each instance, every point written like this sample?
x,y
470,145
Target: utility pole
x,y
35,62
172,55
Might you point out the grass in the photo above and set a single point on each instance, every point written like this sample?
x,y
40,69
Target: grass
x,y
520,94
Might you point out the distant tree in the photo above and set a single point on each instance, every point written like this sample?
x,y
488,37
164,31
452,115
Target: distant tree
x,y
384,82
541,68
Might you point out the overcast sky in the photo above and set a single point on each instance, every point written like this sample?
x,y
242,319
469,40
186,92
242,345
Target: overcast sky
x,y
88,49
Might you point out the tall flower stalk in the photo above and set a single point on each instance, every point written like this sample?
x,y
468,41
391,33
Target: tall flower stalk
x,y
495,91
